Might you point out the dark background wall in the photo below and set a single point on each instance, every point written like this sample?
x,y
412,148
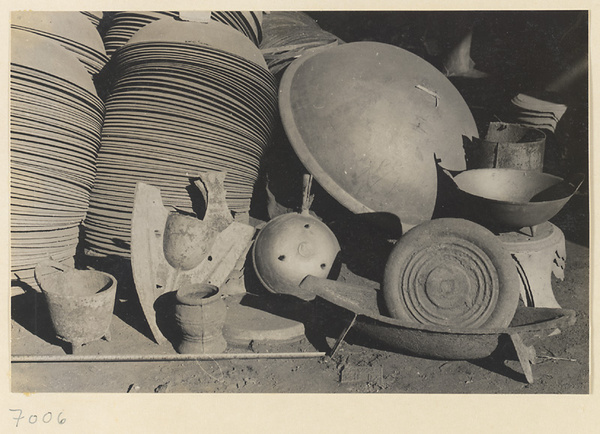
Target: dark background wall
x,y
526,47
521,51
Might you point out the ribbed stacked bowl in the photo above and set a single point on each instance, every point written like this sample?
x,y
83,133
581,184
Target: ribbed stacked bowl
x,y
188,97
72,30
56,120
94,16
249,23
537,113
288,35
125,24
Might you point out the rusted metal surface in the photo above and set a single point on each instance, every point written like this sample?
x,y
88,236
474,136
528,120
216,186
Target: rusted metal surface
x,y
376,330
510,146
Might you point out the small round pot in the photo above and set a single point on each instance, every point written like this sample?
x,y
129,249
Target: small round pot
x,y
200,313
80,302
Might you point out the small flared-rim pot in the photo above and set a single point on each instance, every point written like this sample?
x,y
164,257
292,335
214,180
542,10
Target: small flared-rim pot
x,y
200,313
198,295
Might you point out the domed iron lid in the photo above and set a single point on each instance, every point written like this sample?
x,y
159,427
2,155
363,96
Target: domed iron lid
x,y
367,118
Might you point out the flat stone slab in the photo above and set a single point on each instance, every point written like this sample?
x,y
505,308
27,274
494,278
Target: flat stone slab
x,y
262,319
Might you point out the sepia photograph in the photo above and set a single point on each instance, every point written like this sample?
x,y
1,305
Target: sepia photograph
x,y
298,202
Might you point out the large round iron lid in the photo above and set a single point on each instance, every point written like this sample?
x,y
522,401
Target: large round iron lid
x,y
451,273
366,119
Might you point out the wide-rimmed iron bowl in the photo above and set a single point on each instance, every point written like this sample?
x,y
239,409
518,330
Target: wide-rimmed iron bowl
x,y
375,330
512,199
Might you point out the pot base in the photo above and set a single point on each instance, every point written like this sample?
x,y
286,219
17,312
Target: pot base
x,y
536,259
213,346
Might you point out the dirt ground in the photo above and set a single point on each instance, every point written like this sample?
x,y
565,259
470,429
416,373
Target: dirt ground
x,y
562,364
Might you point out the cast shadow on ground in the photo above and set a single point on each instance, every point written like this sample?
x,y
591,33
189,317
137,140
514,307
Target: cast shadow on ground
x,y
496,362
127,304
366,241
30,311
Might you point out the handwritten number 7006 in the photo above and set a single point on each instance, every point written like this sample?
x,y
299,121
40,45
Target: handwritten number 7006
x,y
33,418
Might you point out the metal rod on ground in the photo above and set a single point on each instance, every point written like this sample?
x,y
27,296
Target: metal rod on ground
x,y
342,336
160,357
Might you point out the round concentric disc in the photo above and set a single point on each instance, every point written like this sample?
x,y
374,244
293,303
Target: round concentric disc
x,y
451,272
450,284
